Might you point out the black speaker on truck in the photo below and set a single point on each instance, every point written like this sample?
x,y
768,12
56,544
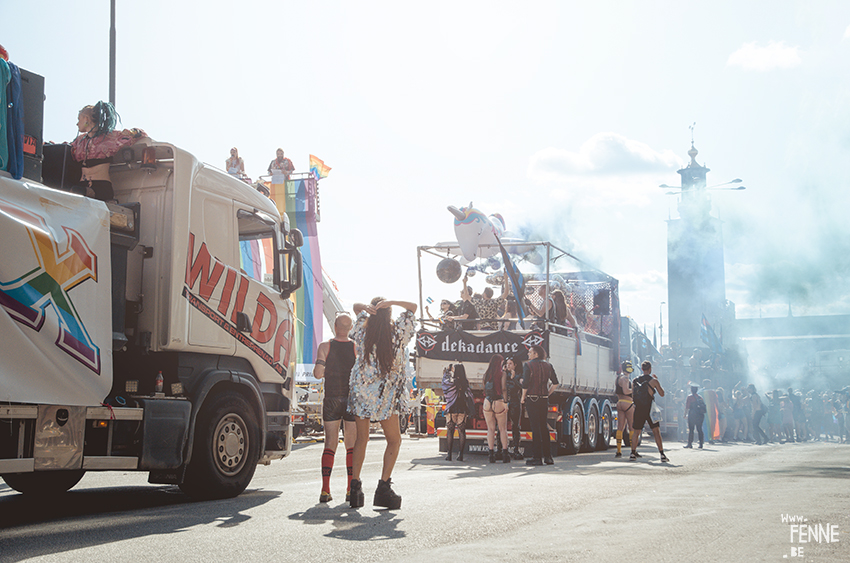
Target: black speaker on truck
x,y
32,92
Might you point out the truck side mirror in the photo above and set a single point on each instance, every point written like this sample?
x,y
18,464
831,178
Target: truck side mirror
x,y
296,238
243,323
296,271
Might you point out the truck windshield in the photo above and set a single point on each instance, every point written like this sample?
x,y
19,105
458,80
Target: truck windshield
x,y
257,249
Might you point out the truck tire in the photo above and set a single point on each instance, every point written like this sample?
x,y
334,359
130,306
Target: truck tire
x,y
44,483
575,429
226,448
591,437
296,431
604,429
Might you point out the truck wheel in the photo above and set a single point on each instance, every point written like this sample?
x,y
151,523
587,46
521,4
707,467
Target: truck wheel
x,y
225,450
574,439
403,422
296,431
44,483
604,429
592,435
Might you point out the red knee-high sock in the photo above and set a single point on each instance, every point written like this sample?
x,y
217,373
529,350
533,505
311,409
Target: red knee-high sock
x,y
349,464
327,467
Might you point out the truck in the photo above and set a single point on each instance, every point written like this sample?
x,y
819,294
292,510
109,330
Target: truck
x,y
582,408
153,334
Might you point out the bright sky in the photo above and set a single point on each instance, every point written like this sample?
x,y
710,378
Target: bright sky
x,y
564,117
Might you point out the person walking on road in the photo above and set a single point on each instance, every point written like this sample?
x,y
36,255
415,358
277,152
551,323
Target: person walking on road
x,y
625,405
538,381
695,407
378,389
644,388
334,360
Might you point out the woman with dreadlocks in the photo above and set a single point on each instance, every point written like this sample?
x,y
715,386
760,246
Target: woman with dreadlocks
x,y
96,145
377,388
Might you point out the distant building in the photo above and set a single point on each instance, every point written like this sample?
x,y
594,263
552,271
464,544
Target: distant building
x,y
696,278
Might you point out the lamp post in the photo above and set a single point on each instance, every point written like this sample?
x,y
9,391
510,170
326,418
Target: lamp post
x,y
661,324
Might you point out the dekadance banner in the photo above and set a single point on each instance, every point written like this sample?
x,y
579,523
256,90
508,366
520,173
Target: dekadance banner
x,y
460,346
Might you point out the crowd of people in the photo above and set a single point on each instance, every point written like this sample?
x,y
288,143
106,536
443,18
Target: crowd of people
x,y
742,414
483,311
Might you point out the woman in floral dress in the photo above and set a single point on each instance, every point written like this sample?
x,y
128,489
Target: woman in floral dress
x,y
378,390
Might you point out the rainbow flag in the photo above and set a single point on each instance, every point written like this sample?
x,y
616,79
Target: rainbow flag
x,y
297,198
318,168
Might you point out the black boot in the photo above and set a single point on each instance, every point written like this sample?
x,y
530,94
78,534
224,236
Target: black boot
x,y
385,496
356,497
492,456
506,457
461,434
450,437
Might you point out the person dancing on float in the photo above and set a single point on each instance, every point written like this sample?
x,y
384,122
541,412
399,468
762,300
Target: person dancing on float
x,y
378,388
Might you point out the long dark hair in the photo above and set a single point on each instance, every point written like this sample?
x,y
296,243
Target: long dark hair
x,y
517,364
379,337
461,381
494,370
560,302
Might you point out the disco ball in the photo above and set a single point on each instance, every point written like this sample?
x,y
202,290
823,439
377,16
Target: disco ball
x,y
448,270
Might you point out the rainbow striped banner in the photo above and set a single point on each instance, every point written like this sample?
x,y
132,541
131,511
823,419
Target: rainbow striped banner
x,y
297,198
318,168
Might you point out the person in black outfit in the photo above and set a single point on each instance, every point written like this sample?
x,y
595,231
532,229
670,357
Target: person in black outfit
x,y
695,407
538,381
460,405
644,388
467,315
513,366
334,360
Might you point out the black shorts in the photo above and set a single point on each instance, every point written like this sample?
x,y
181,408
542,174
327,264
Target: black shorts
x,y
336,408
642,417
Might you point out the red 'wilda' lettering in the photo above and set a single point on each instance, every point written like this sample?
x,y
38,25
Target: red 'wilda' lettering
x,y
200,268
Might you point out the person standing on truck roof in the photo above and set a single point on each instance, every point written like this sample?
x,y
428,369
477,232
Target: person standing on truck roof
x,y
496,405
513,368
334,360
234,165
280,168
460,405
538,381
625,405
95,147
643,390
378,389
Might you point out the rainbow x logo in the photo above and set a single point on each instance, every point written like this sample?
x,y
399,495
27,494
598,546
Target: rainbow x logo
x,y
27,298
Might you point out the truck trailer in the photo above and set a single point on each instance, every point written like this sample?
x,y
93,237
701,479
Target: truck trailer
x,y
582,408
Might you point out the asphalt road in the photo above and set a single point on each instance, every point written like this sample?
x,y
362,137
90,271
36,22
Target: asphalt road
x,y
724,503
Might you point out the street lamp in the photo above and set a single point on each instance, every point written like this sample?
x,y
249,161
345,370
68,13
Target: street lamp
x,y
661,324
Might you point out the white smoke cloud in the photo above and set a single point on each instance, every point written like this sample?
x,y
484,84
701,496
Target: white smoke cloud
x,y
602,154
776,55
608,168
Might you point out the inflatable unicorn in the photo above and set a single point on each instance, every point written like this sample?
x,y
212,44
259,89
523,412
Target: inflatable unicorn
x,y
473,228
